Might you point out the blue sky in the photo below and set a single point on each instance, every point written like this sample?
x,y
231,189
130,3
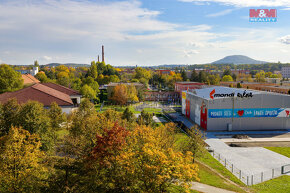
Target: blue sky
x,y
140,32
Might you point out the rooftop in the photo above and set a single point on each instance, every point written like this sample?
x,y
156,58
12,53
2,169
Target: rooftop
x,y
61,88
40,93
206,93
29,79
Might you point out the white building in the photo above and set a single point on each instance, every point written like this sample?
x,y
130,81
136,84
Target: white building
x,y
286,72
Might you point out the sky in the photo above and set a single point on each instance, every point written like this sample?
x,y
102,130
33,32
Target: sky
x,y
140,32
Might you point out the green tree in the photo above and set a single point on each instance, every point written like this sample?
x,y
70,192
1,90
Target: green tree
x,y
21,168
41,77
234,76
93,70
33,117
227,72
128,115
9,115
239,85
227,78
202,77
183,75
145,118
92,83
88,92
194,76
114,78
36,64
10,80
56,116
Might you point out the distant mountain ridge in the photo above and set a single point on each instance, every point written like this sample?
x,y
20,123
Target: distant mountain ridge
x,y
238,59
67,64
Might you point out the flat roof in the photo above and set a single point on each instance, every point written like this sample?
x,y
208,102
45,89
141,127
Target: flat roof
x,y
206,93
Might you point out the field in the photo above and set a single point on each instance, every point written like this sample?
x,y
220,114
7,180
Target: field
x,y
281,150
277,185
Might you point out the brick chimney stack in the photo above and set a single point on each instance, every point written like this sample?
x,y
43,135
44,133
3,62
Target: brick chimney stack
x,y
103,54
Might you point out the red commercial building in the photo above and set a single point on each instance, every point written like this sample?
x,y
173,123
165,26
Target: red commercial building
x,y
182,86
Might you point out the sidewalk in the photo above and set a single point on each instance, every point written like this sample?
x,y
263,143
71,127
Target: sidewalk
x,y
207,188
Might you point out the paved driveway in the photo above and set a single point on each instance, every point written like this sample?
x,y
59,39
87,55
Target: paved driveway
x,y
250,160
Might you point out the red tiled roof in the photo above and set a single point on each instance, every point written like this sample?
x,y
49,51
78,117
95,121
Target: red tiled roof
x,y
60,88
40,93
29,79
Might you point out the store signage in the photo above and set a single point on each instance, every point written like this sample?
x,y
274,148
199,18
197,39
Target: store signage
x,y
245,94
251,112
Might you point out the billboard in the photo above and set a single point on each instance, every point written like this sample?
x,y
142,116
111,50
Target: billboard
x,y
251,112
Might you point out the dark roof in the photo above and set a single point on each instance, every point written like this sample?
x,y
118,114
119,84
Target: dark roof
x,y
40,93
62,89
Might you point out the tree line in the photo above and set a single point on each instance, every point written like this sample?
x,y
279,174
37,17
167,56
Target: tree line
x,y
99,152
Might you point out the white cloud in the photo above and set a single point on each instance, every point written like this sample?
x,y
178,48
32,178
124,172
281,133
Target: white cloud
x,y
188,53
285,39
283,50
246,3
221,13
47,58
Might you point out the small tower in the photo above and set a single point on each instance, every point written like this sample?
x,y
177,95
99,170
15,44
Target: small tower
x,y
103,54
98,58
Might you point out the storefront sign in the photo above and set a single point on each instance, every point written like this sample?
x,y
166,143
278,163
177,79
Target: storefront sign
x,y
262,112
244,94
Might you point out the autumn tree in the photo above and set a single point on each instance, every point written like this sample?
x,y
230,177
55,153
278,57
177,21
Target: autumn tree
x,y
120,95
260,76
20,162
227,78
10,80
132,93
153,161
41,77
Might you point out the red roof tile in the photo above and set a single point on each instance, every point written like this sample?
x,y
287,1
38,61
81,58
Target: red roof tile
x,y
40,93
29,79
63,89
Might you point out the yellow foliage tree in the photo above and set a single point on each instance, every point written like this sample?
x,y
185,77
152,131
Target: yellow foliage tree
x,y
20,157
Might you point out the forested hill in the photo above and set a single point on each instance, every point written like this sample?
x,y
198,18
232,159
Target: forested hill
x,y
238,59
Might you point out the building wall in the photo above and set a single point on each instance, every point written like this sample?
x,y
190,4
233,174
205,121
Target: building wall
x,y
263,100
285,72
251,123
162,96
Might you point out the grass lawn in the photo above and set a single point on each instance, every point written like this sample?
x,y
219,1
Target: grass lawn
x,y
277,185
281,150
179,189
119,108
209,177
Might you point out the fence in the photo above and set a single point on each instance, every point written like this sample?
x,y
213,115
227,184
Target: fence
x,y
251,179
